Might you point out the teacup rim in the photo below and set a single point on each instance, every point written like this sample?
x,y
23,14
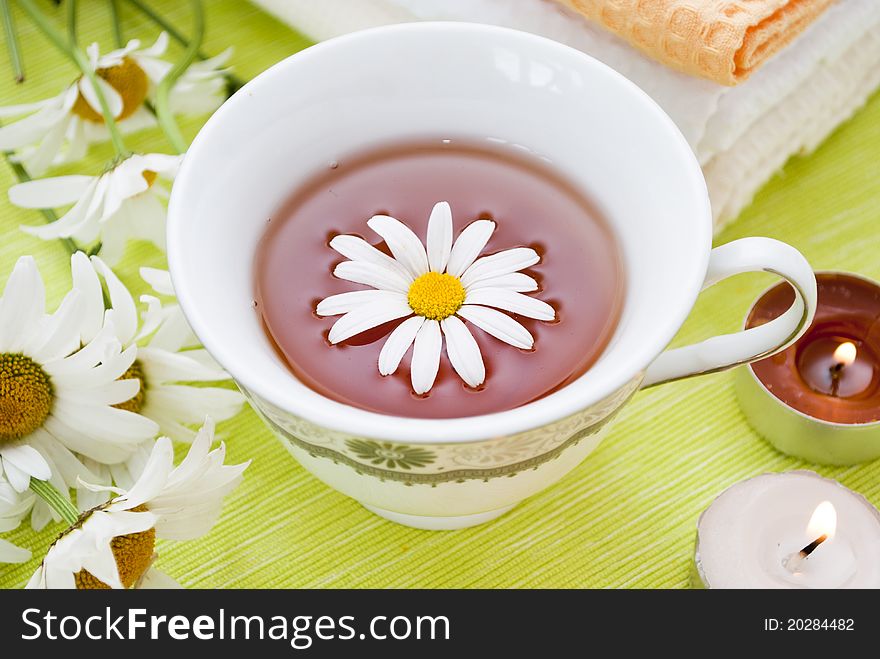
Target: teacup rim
x,y
348,419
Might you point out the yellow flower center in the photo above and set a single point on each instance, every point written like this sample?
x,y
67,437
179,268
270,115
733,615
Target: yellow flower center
x,y
436,296
150,177
133,554
129,81
25,396
136,403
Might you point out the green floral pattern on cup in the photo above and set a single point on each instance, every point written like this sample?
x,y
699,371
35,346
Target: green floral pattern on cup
x,y
391,455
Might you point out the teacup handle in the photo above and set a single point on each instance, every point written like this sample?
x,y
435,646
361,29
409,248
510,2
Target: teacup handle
x,y
728,350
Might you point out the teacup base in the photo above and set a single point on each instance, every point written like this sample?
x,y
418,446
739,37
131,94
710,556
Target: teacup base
x,y
438,523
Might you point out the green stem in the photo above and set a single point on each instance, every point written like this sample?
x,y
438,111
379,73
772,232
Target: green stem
x,y
71,22
117,23
48,214
235,82
163,111
79,58
57,501
12,44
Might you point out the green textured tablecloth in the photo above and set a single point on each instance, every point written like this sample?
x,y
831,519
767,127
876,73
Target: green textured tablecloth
x,y
624,518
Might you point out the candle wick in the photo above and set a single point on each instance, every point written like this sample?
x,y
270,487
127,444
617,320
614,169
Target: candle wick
x,y
794,561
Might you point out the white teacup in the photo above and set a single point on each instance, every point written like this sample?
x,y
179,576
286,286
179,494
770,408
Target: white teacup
x,y
434,79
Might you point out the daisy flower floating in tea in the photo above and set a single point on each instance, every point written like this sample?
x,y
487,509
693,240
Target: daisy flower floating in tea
x,y
434,287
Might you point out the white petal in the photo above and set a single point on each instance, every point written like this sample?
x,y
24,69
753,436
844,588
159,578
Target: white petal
x,y
29,130
502,298
468,245
125,317
38,160
86,280
93,50
191,404
114,238
42,515
153,579
9,553
159,280
499,325
113,393
514,281
426,357
463,352
188,366
358,249
59,335
345,302
114,100
439,236
22,305
82,442
370,274
403,243
85,358
26,459
159,46
107,424
365,318
78,221
174,333
38,580
146,215
397,343
8,111
49,192
153,479
502,263
19,480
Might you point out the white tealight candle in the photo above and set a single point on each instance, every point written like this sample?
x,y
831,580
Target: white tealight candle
x,y
790,530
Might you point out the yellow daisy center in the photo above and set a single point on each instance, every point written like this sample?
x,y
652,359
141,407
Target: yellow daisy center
x,y
436,296
129,81
133,554
150,177
25,396
136,403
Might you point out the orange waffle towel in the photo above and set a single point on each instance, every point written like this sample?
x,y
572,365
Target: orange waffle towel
x,y
722,40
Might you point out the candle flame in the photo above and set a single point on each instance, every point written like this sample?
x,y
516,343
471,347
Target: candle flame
x,y
845,353
823,521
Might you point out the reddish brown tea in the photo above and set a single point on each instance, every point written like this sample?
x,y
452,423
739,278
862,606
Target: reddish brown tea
x,y
580,274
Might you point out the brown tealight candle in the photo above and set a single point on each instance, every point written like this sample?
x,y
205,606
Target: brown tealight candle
x,y
820,398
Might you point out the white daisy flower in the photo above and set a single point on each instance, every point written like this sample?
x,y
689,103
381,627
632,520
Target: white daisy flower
x,y
113,545
60,129
199,90
125,202
14,507
434,290
58,399
160,370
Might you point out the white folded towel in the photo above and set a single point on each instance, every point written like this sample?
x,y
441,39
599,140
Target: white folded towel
x,y
741,135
